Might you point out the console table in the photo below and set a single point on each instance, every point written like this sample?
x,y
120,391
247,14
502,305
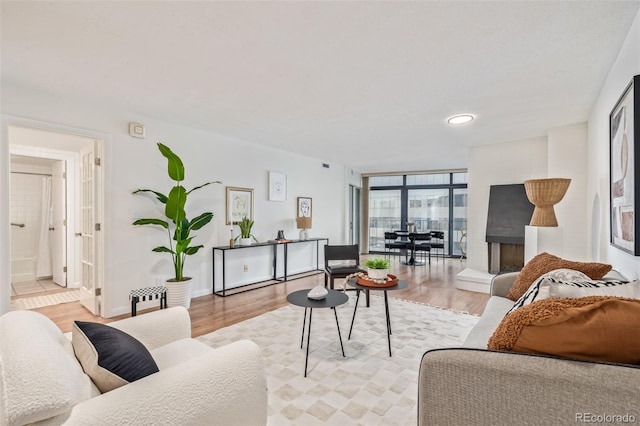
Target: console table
x,y
274,259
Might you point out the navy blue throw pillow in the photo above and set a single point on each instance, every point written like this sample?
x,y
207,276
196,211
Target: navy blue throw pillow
x,y
111,357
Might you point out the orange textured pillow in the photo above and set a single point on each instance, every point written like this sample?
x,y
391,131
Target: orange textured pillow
x,y
545,262
595,328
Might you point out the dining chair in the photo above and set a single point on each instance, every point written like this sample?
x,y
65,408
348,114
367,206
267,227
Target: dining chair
x,y
341,261
421,244
393,245
437,242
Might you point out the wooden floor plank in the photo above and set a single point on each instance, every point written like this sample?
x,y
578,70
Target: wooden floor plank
x,y
433,285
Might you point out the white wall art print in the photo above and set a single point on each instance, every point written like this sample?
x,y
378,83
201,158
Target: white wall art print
x,y
277,186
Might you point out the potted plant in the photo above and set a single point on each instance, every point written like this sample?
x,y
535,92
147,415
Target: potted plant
x,y
178,228
245,232
378,268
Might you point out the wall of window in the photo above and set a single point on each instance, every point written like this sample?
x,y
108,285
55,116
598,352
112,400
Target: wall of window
x,y
432,202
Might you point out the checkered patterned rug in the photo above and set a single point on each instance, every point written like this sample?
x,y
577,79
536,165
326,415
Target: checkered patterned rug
x,y
367,387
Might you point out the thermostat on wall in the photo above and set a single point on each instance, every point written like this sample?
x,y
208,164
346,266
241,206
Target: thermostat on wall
x,y
136,130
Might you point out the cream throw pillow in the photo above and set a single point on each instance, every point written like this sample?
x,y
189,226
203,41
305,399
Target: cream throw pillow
x,y
568,283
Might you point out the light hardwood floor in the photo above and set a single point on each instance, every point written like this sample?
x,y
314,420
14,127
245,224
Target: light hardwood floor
x,y
433,285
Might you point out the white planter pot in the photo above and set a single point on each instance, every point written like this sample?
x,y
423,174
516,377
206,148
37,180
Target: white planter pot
x,y
244,242
378,274
179,292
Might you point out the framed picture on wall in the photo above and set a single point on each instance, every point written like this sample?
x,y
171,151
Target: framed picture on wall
x,y
239,204
304,207
277,186
623,134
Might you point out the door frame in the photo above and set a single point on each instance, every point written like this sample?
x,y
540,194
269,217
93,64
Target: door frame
x,y
355,209
5,228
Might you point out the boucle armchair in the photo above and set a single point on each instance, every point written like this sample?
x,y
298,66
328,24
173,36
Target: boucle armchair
x,y
42,382
474,386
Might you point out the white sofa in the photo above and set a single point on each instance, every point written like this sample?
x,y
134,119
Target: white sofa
x,y
42,382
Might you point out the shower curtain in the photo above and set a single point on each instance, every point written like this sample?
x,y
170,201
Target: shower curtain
x,y
43,254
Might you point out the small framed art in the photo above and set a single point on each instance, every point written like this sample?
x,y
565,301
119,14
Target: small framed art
x,y
239,204
304,207
277,186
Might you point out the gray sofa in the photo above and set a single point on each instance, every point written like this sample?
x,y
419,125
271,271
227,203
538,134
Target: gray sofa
x,y
474,386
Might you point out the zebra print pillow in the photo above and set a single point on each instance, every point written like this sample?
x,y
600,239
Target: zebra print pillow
x,y
546,287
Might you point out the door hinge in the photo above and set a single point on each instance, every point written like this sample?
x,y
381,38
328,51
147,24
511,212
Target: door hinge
x,y
64,269
64,222
96,161
97,226
98,291
64,175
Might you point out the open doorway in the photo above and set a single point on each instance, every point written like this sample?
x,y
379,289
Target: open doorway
x,y
38,243
53,244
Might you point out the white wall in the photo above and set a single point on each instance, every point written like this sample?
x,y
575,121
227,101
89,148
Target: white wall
x,y
497,164
567,158
134,163
627,65
561,154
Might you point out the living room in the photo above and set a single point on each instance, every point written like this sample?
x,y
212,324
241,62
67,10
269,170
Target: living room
x,y
27,106
241,152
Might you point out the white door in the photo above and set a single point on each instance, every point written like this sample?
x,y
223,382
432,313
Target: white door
x,y
89,211
58,228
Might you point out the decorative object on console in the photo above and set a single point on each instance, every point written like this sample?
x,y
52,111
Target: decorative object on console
x,y
280,235
378,268
624,132
410,226
319,292
232,240
178,227
303,218
277,186
239,204
245,232
303,224
544,194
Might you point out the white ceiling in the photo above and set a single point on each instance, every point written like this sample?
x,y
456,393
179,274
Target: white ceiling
x,y
366,84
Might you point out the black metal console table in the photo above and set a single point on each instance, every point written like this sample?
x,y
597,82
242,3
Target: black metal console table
x,y
276,278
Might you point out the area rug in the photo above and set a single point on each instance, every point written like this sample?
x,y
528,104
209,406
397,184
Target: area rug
x,y
47,300
367,387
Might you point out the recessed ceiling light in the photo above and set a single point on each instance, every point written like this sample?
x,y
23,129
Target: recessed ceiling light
x,y
460,119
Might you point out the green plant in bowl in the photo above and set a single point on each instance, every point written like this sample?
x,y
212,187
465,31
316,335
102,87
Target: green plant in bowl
x,y
378,263
378,268
245,229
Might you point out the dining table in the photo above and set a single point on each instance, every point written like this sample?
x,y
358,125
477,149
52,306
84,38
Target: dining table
x,y
411,245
